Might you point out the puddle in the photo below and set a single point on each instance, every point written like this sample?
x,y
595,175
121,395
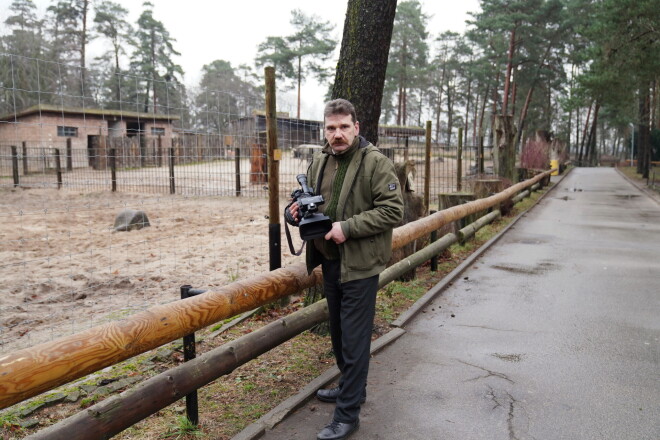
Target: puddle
x,y
626,196
509,357
526,270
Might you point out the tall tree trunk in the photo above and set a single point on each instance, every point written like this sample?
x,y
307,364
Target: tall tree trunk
x,y
480,129
467,111
584,135
362,61
299,82
116,79
439,106
153,69
523,116
494,110
644,136
450,117
591,141
475,116
509,66
83,50
399,108
505,154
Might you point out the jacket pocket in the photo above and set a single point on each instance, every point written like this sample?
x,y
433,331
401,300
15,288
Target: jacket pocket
x,y
363,254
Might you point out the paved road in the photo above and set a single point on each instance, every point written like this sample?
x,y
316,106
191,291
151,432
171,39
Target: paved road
x,y
555,334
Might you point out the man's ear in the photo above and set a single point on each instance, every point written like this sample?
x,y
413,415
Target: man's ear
x,y
357,127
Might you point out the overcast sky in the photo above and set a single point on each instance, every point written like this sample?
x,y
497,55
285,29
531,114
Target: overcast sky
x,y
207,30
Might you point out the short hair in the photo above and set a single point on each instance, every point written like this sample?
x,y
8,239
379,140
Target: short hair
x,y
340,107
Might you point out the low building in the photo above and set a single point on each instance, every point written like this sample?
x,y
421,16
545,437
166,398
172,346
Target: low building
x,y
50,126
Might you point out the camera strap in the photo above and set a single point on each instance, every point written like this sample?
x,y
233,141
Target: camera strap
x,y
288,239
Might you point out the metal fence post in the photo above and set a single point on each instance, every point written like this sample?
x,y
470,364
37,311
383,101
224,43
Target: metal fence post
x,y
189,353
459,161
237,169
14,165
25,159
113,168
69,155
171,166
427,168
58,168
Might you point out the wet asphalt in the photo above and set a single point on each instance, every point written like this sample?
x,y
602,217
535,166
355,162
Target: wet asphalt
x,y
553,333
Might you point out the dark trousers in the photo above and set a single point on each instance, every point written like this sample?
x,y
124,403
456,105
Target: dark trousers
x,y
352,307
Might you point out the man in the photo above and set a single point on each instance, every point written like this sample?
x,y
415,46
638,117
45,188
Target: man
x,y
363,200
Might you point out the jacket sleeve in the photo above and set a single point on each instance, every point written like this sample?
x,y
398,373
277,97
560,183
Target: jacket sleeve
x,y
387,204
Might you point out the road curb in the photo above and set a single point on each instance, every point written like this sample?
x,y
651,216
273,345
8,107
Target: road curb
x,y
649,193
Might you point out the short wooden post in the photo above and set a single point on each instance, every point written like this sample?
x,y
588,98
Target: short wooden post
x,y
171,167
449,200
113,168
14,165
25,159
237,163
427,169
58,168
69,155
459,161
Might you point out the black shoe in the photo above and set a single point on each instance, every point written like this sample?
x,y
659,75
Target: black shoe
x,y
330,395
338,430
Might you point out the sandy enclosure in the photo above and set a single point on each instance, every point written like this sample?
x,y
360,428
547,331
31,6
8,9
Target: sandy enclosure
x,y
64,268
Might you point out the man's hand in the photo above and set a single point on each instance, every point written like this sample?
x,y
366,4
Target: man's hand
x,y
336,234
294,211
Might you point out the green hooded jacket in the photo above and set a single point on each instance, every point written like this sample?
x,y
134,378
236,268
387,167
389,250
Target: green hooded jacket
x,y
370,205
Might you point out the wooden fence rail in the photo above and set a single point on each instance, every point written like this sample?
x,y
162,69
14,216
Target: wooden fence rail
x,y
31,371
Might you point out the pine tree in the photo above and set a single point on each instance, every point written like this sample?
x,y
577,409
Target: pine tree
x,y
301,54
110,21
160,77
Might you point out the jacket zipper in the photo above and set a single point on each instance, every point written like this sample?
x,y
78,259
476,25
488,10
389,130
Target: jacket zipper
x,y
341,248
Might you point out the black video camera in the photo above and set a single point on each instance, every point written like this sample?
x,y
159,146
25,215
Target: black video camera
x,y
312,224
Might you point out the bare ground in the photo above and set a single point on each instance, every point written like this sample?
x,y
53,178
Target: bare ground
x,y
64,268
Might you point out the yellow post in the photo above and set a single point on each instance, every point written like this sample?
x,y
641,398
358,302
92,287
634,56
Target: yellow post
x,y
554,165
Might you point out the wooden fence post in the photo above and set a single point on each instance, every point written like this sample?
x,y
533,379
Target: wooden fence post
x,y
25,159
69,155
274,227
58,168
113,168
14,165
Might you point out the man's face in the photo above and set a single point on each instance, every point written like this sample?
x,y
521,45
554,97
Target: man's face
x,y
340,130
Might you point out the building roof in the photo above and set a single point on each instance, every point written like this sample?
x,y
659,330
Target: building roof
x,y
104,113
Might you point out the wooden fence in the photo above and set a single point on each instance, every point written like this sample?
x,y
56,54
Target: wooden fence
x,y
31,371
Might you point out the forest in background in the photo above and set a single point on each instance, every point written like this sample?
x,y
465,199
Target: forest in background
x,y
585,71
